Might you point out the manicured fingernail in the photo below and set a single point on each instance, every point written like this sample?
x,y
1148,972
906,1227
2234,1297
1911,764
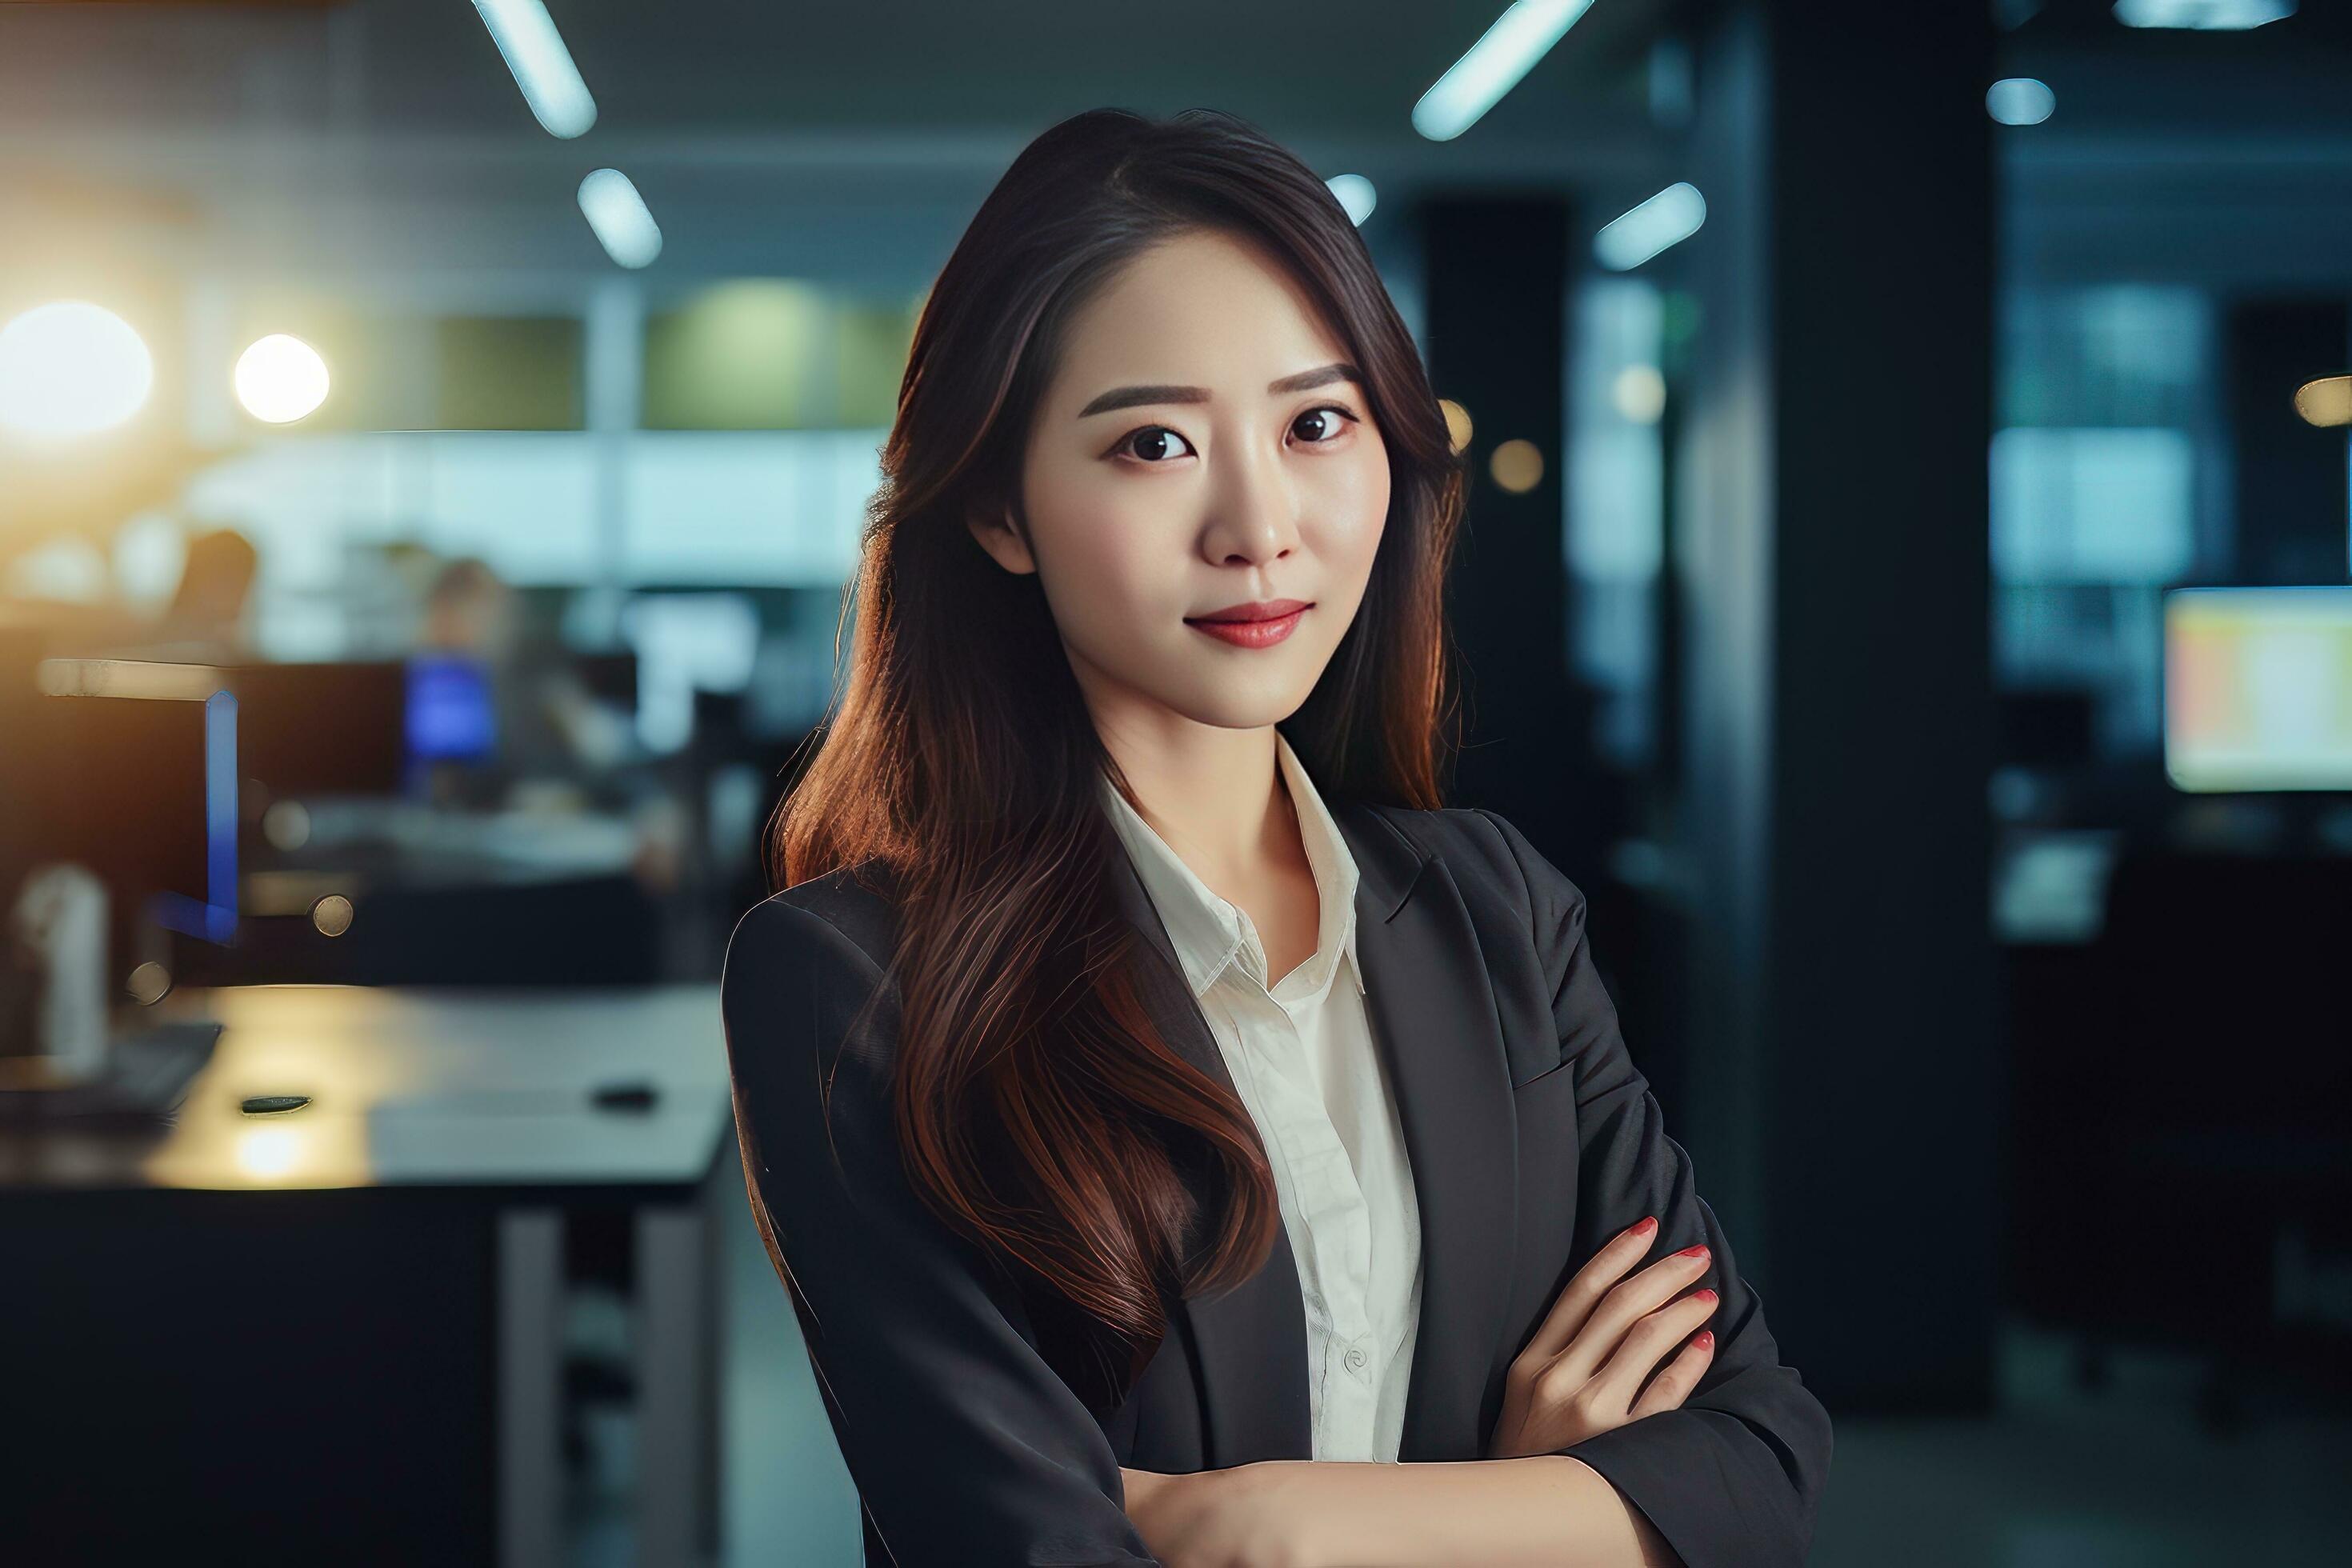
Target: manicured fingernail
x,y
1643,1226
1703,1339
1703,1296
1698,1251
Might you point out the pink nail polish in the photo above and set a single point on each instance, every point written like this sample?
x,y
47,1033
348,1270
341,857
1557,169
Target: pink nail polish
x,y
1698,1251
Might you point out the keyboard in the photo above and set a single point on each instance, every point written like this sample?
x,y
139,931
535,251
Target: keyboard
x,y
148,1071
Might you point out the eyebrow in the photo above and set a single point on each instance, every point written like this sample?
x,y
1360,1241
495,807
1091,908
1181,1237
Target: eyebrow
x,y
1132,396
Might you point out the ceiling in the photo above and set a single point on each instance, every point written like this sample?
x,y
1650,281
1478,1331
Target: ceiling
x,y
385,136
770,136
2218,159
717,69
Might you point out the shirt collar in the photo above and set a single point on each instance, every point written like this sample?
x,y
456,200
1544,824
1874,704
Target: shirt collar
x,y
1207,931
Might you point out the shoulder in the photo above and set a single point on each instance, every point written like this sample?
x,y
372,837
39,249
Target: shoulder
x,y
802,981
1486,853
849,912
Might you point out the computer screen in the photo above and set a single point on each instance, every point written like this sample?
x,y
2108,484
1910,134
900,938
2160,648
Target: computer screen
x,y
450,714
322,728
138,782
2258,688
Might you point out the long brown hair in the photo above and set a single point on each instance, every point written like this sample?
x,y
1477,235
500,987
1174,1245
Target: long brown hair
x,y
1038,1110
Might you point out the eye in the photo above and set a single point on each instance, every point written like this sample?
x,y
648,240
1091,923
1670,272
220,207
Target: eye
x,y
1331,415
1151,435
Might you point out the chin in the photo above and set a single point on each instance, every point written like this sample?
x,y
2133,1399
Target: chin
x,y
1233,708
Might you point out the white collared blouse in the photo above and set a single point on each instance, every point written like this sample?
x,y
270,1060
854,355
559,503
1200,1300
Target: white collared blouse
x,y
1301,1054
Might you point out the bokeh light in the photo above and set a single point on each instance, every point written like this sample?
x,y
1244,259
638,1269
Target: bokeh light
x,y
281,379
1356,195
1639,392
287,824
1516,466
71,368
269,1153
1457,422
2326,402
149,983
2020,100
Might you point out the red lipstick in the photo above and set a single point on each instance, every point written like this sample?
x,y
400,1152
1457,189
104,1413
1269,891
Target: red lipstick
x,y
1261,623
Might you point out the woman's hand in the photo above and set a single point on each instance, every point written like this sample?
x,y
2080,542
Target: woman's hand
x,y
1212,1518
1578,1377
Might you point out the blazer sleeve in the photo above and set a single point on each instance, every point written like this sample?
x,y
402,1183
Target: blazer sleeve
x,y
1732,1478
965,1447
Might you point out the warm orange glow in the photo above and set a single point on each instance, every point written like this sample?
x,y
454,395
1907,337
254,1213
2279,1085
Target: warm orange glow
x,y
269,1153
1457,422
2326,402
1516,466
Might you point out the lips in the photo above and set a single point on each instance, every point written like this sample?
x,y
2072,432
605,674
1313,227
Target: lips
x,y
1261,624
1255,610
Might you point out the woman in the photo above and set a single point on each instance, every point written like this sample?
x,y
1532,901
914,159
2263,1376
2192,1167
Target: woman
x,y
1183,1139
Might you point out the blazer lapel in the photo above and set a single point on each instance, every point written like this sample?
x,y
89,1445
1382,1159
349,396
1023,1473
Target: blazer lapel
x,y
1249,1343
1433,1021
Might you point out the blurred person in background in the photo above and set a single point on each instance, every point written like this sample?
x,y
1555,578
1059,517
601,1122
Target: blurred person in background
x,y
206,619
557,746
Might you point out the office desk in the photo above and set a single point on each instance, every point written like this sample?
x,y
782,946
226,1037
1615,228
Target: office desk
x,y
364,1292
2175,1067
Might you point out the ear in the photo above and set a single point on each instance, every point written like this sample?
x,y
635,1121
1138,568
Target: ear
x,y
1001,535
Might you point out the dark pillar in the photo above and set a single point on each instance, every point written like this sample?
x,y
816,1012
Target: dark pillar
x,y
1844,1100
1497,338
2289,476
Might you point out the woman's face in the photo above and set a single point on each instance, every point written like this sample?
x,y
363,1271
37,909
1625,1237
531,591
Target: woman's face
x,y
1195,451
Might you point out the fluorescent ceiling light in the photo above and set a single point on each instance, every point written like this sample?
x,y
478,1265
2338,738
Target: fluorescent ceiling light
x,y
542,66
1356,195
2206,16
1667,218
618,215
2020,100
1493,66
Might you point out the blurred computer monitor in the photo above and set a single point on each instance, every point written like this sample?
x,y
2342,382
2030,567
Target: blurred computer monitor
x,y
322,728
21,646
451,717
133,776
2258,688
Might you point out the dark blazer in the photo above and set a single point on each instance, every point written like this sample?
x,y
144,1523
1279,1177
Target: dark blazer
x,y
1533,1140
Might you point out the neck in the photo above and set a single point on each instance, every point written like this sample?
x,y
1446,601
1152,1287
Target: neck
x,y
1218,799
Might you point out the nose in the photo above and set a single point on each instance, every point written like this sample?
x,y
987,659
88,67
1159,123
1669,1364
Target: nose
x,y
1253,515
